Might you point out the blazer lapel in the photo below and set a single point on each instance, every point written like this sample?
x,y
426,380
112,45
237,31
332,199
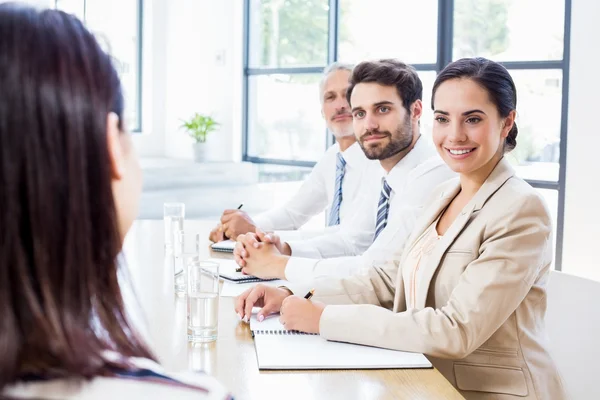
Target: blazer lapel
x,y
427,217
431,213
501,173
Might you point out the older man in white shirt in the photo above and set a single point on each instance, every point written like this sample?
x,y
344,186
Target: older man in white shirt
x,y
386,105
333,183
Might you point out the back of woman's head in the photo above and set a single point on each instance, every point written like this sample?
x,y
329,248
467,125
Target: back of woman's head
x,y
491,76
60,302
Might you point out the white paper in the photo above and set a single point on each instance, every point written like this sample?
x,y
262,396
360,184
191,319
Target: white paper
x,y
226,245
277,348
299,351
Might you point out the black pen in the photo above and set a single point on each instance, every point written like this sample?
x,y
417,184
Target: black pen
x,y
309,294
240,206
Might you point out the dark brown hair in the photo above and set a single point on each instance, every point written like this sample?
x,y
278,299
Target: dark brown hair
x,y
389,72
491,76
60,302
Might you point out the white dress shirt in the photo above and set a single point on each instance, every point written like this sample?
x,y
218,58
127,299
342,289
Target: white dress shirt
x,y
412,181
316,195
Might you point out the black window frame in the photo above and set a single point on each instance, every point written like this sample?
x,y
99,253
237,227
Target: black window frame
x,y
444,56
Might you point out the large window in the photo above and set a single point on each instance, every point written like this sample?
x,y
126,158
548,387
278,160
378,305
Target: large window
x,y
289,42
117,24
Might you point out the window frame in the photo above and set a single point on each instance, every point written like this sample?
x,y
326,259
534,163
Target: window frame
x,y
137,128
445,40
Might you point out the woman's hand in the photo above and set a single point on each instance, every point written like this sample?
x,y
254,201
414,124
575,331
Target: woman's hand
x,y
267,297
299,314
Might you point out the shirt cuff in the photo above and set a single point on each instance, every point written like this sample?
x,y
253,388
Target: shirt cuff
x,y
302,249
264,223
299,269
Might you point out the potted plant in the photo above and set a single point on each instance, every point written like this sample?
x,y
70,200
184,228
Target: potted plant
x,y
198,127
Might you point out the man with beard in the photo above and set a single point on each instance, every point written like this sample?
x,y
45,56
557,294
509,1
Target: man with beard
x,y
385,97
333,183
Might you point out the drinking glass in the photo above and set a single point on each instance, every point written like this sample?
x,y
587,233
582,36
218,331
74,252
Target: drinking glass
x,y
173,214
203,300
186,248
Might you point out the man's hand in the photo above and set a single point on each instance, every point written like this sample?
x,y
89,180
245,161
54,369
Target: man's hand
x,y
259,259
274,239
267,297
239,251
250,239
216,235
235,223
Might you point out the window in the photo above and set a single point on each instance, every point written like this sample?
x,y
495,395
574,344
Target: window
x,y
117,24
289,42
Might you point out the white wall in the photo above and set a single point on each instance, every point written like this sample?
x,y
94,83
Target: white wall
x,y
192,62
581,243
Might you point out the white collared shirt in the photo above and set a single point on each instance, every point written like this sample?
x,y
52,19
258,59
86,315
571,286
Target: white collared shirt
x,y
412,181
316,194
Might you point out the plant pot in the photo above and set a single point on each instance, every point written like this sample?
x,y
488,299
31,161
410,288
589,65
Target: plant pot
x,y
199,152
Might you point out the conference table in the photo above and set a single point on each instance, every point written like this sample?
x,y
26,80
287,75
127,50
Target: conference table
x,y
160,316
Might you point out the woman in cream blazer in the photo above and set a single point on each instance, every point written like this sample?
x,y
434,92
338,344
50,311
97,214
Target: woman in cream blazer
x,y
468,290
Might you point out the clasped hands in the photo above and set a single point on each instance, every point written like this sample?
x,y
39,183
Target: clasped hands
x,y
261,254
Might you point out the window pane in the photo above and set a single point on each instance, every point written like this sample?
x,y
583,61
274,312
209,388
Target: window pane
x,y
288,33
388,29
284,117
509,30
539,105
427,77
114,22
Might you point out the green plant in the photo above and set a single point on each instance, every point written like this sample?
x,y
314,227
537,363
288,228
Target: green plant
x,y
199,126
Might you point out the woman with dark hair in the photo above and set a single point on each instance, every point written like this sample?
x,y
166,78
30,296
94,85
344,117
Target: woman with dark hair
x,y
70,184
470,289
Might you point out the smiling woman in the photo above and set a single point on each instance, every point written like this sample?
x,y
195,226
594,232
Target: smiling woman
x,y
468,288
474,104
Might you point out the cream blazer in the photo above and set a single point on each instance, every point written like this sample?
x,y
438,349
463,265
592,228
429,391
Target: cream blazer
x,y
479,311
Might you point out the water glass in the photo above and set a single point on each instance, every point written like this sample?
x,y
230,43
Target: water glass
x,y
203,301
185,249
174,214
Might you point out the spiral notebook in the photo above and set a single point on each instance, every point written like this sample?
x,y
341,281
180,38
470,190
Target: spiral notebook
x,y
228,270
225,246
280,349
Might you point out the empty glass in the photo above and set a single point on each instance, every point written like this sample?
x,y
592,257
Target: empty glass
x,y
186,248
203,300
173,215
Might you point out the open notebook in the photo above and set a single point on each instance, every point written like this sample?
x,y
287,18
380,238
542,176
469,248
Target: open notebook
x,y
225,246
227,270
280,349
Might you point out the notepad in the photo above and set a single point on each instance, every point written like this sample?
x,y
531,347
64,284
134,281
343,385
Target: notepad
x,y
280,349
225,246
227,270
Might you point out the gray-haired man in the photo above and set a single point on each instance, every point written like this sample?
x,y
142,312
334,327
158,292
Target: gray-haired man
x,y
333,183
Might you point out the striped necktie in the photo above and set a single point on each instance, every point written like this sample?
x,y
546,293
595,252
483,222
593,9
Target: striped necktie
x,y
383,208
340,170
